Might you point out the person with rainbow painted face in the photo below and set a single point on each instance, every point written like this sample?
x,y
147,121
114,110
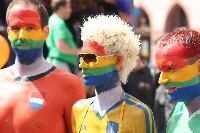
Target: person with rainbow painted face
x,y
35,97
178,59
108,55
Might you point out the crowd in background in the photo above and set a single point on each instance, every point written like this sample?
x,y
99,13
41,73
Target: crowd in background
x,y
141,83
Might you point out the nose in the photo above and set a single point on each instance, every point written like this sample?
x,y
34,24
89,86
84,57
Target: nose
x,y
163,78
22,35
81,64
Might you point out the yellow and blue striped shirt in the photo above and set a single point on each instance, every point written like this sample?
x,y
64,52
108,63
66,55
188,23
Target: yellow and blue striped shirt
x,y
127,116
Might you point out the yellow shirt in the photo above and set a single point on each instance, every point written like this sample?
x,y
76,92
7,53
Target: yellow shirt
x,y
127,116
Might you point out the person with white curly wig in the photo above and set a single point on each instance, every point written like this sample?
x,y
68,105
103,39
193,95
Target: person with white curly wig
x,y
109,53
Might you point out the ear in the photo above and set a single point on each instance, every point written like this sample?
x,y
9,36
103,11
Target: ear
x,y
198,63
119,62
8,29
46,31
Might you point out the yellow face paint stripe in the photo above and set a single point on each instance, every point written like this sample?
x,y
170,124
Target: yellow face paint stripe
x,y
101,62
29,35
181,75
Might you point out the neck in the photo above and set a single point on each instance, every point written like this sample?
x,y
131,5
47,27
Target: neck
x,y
106,100
193,106
39,66
112,79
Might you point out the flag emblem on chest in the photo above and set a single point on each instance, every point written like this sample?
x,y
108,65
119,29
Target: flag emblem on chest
x,y
36,100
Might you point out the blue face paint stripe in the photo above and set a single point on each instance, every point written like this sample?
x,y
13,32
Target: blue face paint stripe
x,y
185,94
145,112
28,56
90,80
103,82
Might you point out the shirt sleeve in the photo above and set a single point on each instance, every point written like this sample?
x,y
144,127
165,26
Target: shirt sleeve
x,y
59,31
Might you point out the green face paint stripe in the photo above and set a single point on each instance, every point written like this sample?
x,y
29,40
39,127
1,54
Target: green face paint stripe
x,y
97,71
191,82
27,43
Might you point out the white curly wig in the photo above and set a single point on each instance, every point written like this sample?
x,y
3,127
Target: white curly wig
x,y
117,37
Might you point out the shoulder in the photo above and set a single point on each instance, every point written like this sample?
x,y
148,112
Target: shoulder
x,y
82,105
178,120
138,108
64,76
140,115
132,101
69,83
65,79
55,21
79,112
4,72
179,108
84,102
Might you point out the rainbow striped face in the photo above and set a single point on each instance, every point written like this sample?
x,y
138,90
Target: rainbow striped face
x,y
98,69
182,84
26,35
181,79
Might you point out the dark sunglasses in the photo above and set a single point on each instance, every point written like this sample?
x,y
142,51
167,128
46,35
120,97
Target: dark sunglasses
x,y
88,57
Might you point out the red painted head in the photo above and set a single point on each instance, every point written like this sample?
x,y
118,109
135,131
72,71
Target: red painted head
x,y
93,46
178,49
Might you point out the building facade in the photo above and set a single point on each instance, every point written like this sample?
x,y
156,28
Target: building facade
x,y
164,16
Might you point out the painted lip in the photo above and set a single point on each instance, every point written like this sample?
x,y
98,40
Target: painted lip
x,y
171,89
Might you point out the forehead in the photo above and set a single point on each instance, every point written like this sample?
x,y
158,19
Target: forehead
x,y
21,14
24,14
94,47
24,7
173,55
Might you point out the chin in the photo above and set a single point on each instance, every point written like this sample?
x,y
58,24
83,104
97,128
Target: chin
x,y
185,94
93,81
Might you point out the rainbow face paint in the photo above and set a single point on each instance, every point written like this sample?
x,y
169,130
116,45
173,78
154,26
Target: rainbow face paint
x,y
179,75
185,94
26,35
177,59
98,71
101,61
184,82
102,74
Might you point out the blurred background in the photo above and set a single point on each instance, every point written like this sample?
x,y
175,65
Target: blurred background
x,y
152,20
